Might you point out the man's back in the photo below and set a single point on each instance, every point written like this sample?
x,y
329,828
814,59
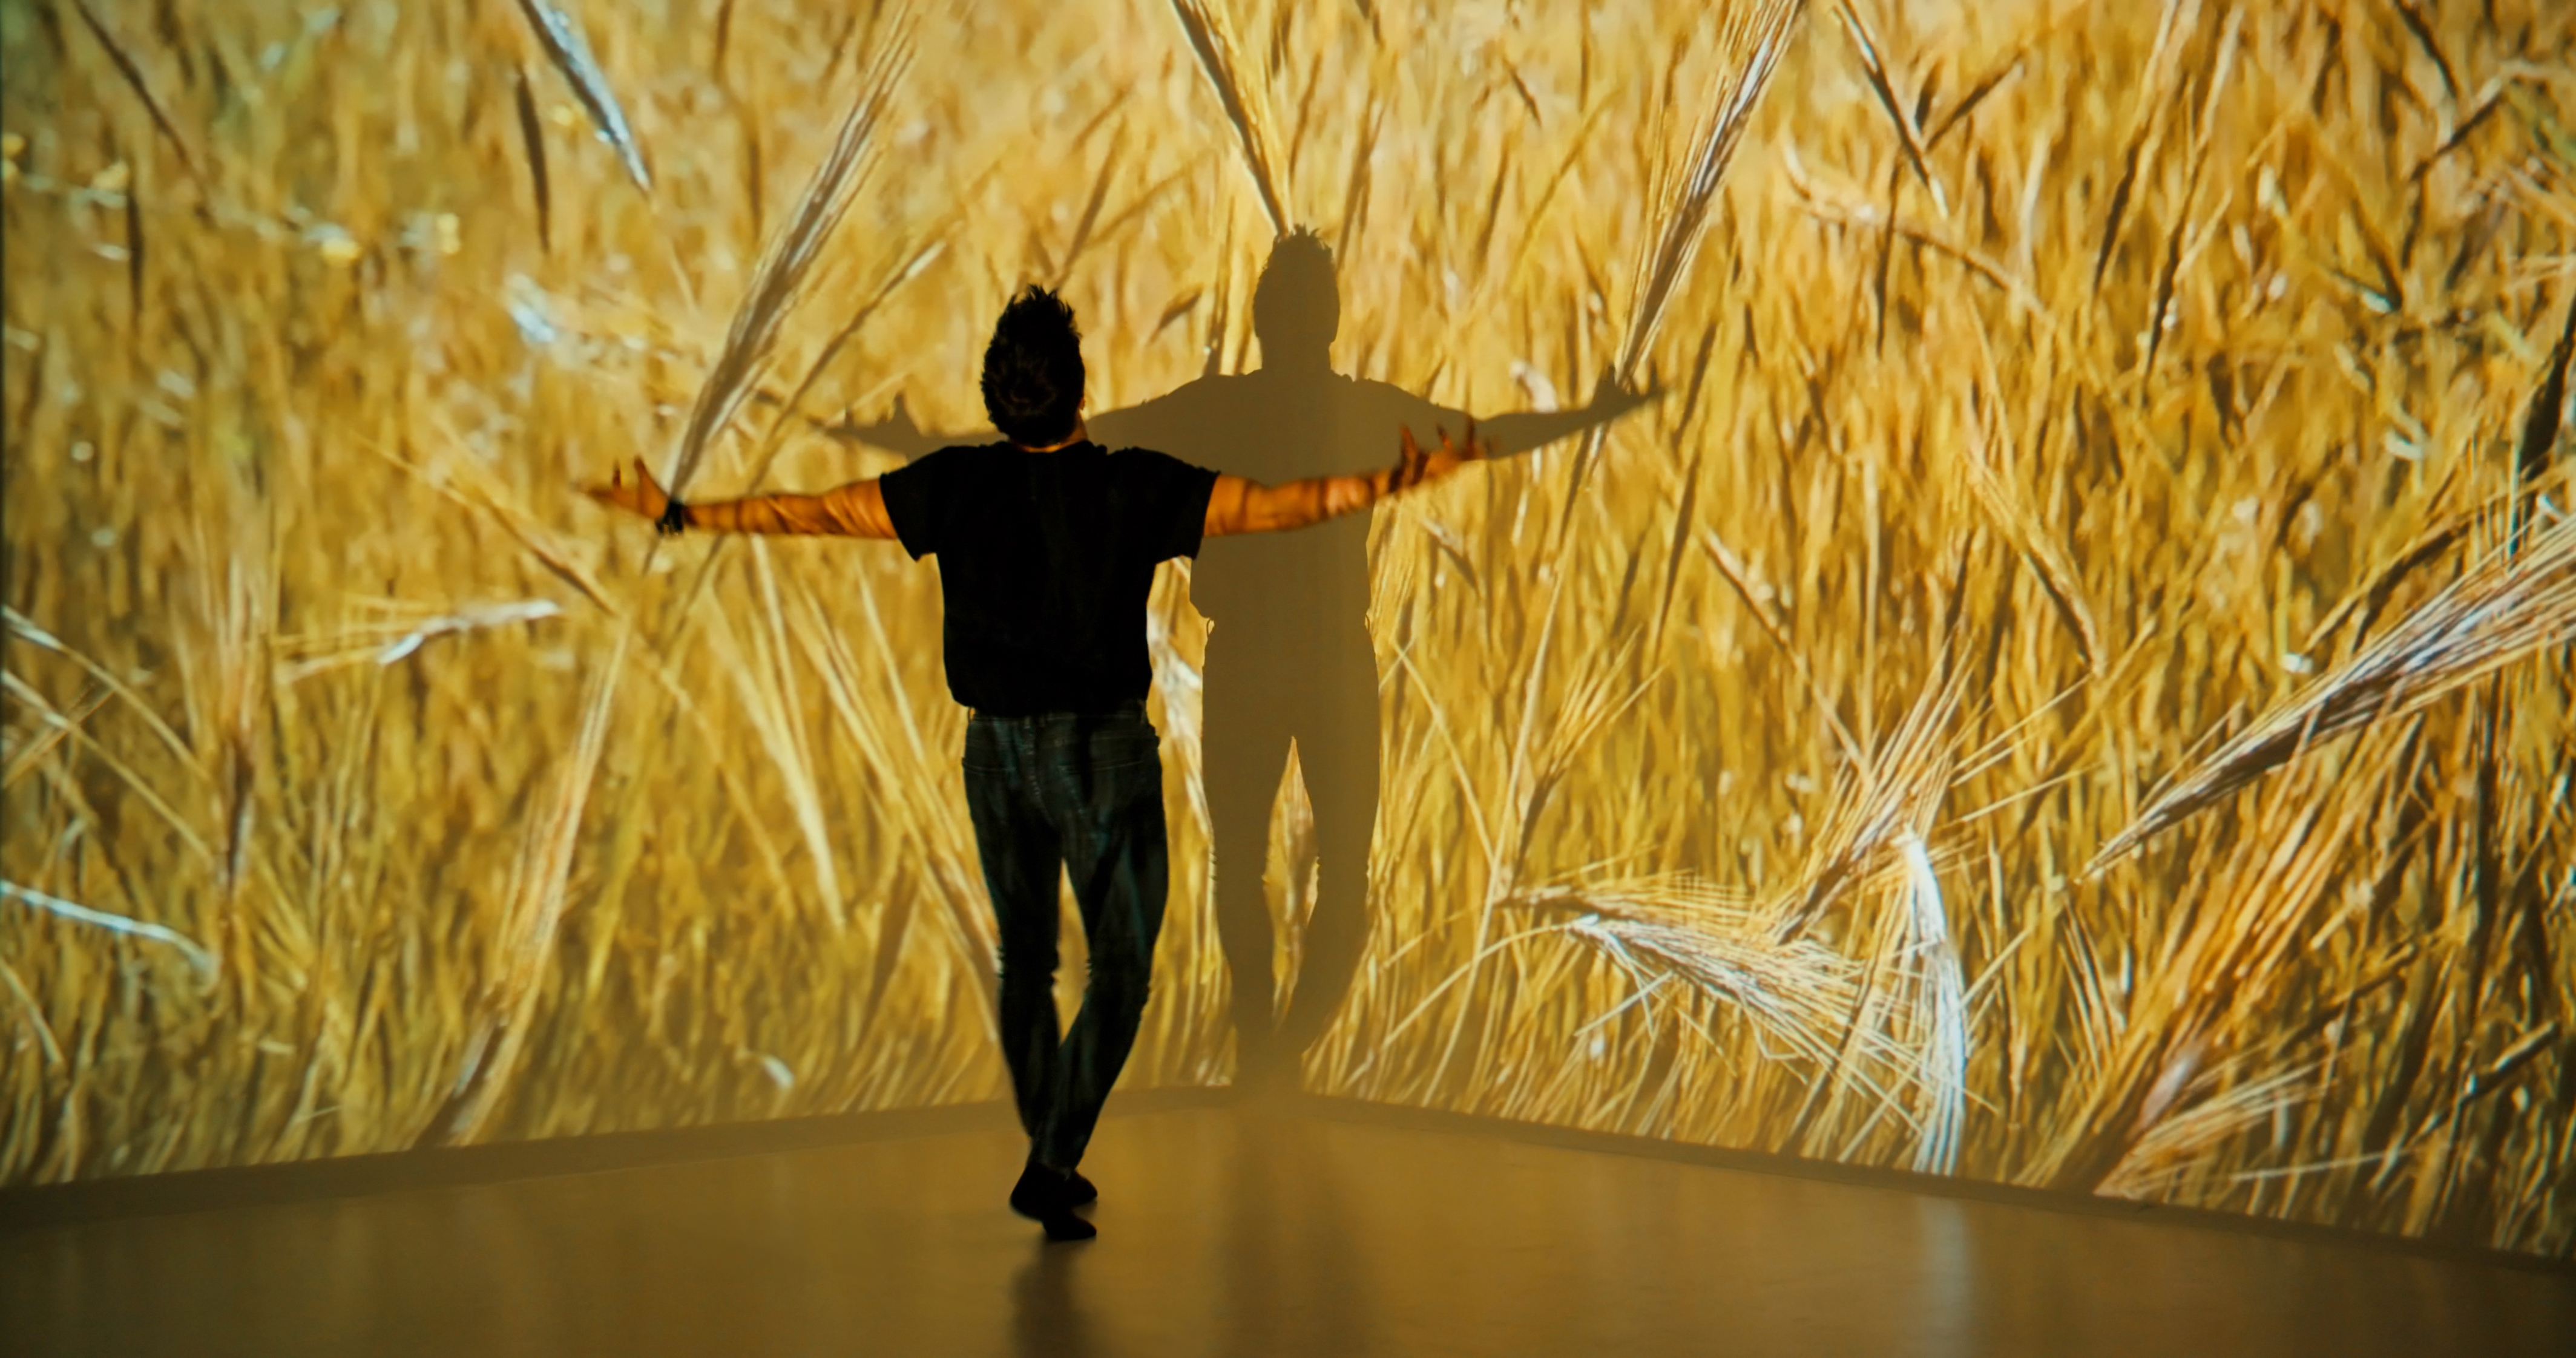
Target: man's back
x,y
1045,563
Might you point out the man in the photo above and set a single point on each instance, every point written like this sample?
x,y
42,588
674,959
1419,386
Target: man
x,y
1047,544
1290,657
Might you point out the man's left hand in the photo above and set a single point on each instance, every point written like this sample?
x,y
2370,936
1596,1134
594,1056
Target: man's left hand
x,y
637,494
1417,466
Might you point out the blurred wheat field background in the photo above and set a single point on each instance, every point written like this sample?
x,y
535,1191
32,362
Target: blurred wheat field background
x,y
2070,686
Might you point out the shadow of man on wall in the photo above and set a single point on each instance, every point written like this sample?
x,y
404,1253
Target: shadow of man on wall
x,y
1289,656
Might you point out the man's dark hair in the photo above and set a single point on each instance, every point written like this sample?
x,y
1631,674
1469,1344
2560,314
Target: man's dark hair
x,y
1033,369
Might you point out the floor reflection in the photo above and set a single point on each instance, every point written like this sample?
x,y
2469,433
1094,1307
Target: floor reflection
x,y
1047,1318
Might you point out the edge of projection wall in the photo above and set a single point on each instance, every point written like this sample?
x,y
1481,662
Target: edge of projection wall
x,y
359,1175
1931,1185
202,1190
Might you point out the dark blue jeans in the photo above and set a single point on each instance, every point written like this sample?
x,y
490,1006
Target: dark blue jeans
x,y
1084,792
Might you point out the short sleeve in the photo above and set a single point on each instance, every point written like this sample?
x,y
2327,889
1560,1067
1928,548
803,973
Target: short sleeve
x,y
914,501
1169,498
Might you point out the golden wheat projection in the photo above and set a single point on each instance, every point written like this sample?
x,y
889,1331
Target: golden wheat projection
x,y
2070,685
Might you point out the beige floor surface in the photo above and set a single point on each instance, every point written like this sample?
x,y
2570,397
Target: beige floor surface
x,y
1230,1232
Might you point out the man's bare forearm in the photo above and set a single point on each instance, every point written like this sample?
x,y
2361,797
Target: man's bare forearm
x,y
855,511
1301,504
1241,506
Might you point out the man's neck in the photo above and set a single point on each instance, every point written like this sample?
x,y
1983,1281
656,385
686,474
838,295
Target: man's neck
x,y
1080,434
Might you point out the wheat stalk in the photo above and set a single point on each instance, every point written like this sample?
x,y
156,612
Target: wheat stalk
x,y
392,643
2505,609
778,282
525,946
1941,1011
1212,39
133,74
1909,137
189,948
1879,802
1797,993
567,47
1753,37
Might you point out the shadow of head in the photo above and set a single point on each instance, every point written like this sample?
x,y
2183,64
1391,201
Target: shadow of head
x,y
1297,305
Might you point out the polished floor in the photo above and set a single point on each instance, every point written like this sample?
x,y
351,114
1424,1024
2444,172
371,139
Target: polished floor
x,y
1231,1232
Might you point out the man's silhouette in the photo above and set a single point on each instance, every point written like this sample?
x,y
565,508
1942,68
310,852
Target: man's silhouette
x,y
1289,657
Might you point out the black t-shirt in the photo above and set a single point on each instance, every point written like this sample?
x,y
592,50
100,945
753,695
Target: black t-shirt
x,y
1045,561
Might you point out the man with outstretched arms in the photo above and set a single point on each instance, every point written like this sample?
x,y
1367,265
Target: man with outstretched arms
x,y
1047,545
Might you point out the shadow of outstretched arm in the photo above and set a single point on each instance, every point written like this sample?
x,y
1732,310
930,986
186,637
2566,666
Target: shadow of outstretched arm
x,y
1528,430
1197,419
1229,423
896,433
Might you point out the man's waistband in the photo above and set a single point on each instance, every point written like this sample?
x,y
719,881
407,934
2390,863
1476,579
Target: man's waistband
x,y
1132,709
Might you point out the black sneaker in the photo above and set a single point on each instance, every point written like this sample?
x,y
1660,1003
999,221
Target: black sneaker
x,y
1045,1197
1039,1193
1078,1191
1066,1226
